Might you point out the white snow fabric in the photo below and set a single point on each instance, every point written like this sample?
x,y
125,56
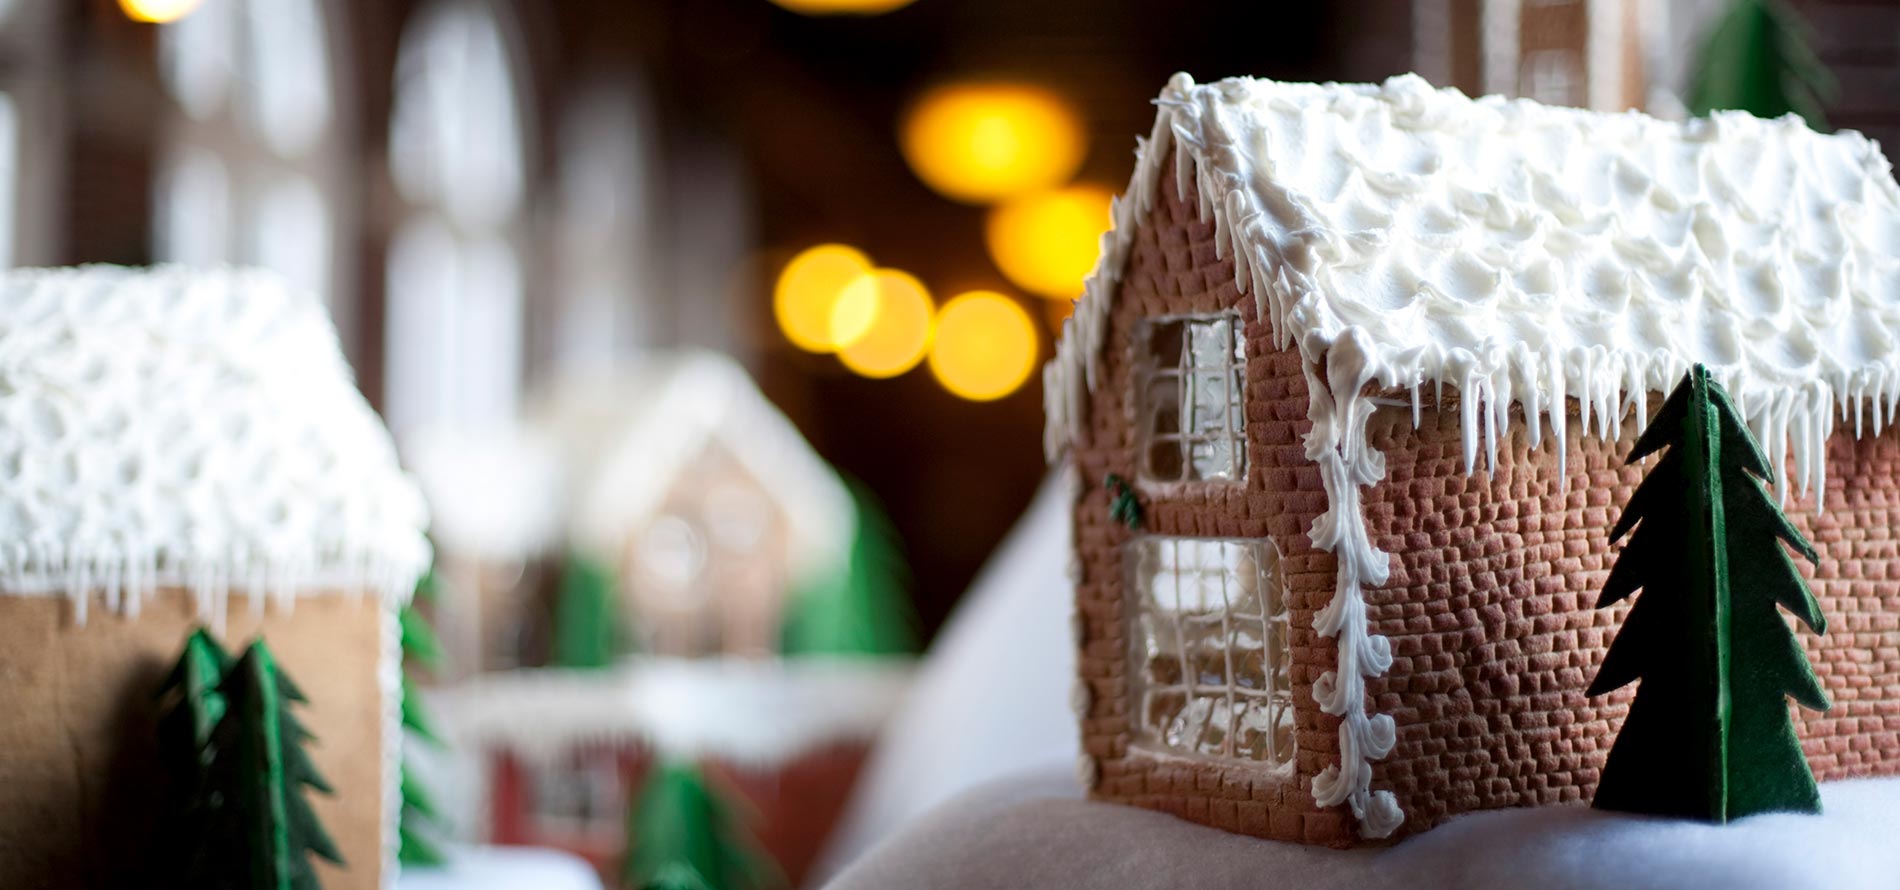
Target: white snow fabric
x,y
1030,833
992,695
504,868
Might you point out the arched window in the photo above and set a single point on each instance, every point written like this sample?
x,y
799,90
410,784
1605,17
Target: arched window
x,y
254,157
456,275
603,277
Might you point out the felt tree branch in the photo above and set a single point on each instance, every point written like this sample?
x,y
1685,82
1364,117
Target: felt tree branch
x,y
1124,509
685,834
1709,735
419,823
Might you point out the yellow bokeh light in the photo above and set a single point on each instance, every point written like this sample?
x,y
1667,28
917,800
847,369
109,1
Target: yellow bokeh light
x,y
157,11
985,346
882,324
984,142
1047,242
808,291
842,7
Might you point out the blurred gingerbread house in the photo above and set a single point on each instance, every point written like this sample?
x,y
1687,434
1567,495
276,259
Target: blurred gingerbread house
x,y
184,448
713,568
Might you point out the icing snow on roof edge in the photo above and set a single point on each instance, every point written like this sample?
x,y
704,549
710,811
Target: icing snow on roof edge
x,y
197,429
1528,254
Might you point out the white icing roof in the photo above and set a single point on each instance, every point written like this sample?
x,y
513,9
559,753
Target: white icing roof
x,y
1527,253
632,434
169,426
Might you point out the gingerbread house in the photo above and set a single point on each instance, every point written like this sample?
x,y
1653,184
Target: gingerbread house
x,y
704,502
185,448
1363,361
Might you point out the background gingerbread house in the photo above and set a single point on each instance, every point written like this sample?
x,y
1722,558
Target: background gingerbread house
x,y
186,448
1363,356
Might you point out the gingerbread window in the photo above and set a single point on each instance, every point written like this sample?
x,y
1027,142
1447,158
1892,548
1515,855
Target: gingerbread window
x,y
1191,373
581,799
1209,657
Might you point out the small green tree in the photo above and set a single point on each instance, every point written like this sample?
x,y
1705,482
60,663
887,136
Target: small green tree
x,y
586,628
190,708
1758,60
862,607
1709,735
683,834
256,830
420,822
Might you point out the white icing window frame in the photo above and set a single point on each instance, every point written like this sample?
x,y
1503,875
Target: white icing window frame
x,y
1190,571
1187,436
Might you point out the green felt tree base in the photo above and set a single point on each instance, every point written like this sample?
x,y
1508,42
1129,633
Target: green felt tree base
x,y
1709,735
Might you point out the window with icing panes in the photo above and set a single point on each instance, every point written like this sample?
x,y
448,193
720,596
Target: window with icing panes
x,y
1192,372
1209,655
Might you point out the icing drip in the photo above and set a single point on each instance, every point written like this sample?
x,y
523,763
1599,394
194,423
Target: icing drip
x,y
1529,256
1337,445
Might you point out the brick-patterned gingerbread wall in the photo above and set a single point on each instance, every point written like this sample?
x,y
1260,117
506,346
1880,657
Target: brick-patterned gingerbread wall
x,y
1490,605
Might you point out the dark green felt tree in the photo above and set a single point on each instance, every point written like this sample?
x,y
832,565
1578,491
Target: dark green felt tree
x,y
256,830
586,622
1709,735
862,608
190,708
420,823
684,834
1758,60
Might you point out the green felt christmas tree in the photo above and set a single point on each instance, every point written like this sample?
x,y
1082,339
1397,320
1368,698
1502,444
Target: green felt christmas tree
x,y
862,608
1758,60
190,707
684,834
586,622
255,829
1709,735
420,821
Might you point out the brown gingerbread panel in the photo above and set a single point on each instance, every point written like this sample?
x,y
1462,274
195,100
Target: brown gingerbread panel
x,y
77,739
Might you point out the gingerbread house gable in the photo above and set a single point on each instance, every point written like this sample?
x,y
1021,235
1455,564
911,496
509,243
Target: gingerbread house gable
x,y
1382,244
639,436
